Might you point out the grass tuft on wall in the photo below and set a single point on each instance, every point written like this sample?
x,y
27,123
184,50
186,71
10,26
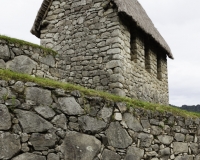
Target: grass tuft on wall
x,y
10,75
22,42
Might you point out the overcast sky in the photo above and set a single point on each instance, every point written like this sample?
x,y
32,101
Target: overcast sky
x,y
178,21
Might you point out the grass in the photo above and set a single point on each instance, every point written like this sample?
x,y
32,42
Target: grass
x,y
22,42
9,75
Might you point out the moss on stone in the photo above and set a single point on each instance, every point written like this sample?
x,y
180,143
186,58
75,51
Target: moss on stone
x,y
10,75
22,42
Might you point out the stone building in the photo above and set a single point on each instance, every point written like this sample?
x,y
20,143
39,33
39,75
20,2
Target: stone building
x,y
109,45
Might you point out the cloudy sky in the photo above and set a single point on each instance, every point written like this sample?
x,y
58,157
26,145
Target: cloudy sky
x,y
178,21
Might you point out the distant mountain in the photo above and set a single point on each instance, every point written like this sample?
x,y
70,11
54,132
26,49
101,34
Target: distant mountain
x,y
192,108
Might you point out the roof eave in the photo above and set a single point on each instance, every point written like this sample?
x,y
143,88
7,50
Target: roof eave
x,y
35,30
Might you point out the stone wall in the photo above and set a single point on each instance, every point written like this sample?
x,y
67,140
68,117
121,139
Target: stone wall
x,y
94,44
46,123
31,60
139,81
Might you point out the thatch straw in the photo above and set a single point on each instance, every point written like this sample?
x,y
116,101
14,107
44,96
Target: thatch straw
x,y
131,8
40,16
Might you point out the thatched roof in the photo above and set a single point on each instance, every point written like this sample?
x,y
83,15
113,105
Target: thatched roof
x,y
131,8
40,16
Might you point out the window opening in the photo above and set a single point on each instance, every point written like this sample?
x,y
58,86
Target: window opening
x,y
147,58
159,67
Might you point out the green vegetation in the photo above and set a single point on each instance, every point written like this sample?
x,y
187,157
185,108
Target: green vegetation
x,y
22,42
8,75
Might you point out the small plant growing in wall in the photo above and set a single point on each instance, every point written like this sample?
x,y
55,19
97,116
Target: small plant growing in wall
x,y
5,96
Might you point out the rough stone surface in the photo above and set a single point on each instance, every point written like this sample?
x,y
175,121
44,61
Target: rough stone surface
x,y
45,111
43,141
110,155
52,156
9,145
165,139
69,106
38,96
29,156
29,135
145,139
60,121
31,122
132,122
80,146
117,136
4,52
106,113
90,124
180,147
134,153
5,118
22,64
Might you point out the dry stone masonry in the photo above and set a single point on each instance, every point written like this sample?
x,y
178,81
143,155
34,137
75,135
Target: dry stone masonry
x,y
30,60
46,123
101,45
104,45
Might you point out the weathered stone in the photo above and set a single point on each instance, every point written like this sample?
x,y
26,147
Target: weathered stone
x,y
45,111
134,153
164,152
2,64
145,139
179,137
4,52
48,60
113,64
80,146
184,157
5,118
42,141
132,122
60,121
105,113
194,148
24,137
22,64
118,116
53,156
110,155
19,86
156,130
31,122
25,147
145,123
69,106
9,145
165,139
197,157
29,156
122,106
151,154
39,96
17,51
117,136
74,126
12,102
117,78
3,93
180,147
90,124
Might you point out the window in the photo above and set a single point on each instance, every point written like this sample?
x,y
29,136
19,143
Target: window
x,y
159,67
133,49
147,58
